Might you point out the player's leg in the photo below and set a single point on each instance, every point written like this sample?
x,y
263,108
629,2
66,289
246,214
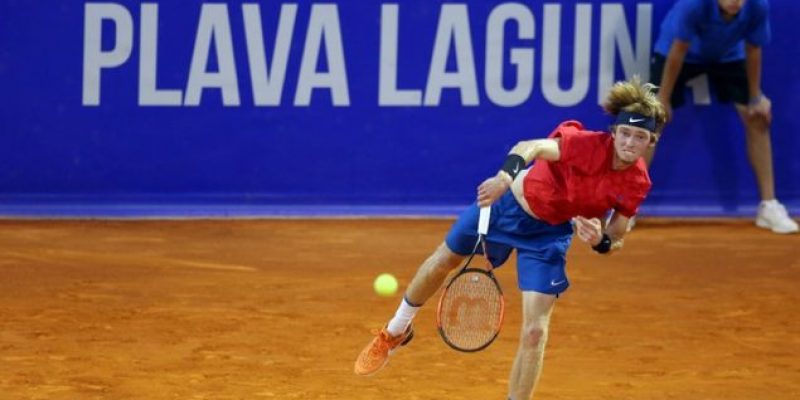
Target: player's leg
x,y
536,308
431,274
772,214
399,330
424,284
759,151
541,275
427,280
730,80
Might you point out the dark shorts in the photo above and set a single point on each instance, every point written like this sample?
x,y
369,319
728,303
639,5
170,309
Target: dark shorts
x,y
541,247
727,80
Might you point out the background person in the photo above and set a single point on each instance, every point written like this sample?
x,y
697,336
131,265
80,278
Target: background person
x,y
723,39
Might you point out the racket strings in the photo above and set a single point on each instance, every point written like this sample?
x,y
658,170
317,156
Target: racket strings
x,y
472,310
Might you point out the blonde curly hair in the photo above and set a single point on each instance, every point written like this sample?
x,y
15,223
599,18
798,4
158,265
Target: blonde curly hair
x,y
634,96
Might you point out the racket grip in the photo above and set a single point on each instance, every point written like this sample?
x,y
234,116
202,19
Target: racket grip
x,y
483,220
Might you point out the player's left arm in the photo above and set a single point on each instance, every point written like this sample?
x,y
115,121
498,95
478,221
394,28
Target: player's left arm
x,y
616,229
759,104
757,35
603,241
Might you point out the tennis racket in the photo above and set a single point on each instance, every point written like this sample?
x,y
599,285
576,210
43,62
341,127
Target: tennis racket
x,y
470,311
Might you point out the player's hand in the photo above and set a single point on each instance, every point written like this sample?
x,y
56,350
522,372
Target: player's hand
x,y
761,109
589,230
491,189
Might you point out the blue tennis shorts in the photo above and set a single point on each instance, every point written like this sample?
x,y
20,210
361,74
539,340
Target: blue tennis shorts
x,y
541,247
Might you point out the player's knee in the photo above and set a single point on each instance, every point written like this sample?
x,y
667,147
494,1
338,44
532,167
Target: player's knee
x,y
758,124
534,335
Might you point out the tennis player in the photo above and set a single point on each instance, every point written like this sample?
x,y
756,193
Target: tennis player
x,y
579,177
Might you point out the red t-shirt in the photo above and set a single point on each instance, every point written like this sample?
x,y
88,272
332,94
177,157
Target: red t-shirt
x,y
582,181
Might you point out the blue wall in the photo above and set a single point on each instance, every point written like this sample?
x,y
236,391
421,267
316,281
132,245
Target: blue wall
x,y
121,144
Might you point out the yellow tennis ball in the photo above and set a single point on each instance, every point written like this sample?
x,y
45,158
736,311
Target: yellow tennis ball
x,y
385,285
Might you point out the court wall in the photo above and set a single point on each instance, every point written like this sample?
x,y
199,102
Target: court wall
x,y
236,108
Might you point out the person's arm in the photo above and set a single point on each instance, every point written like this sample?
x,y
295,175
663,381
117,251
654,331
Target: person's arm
x,y
522,154
616,229
603,242
529,150
672,68
759,104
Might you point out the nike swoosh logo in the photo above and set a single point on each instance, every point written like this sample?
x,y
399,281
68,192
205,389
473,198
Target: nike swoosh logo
x,y
634,120
516,169
553,282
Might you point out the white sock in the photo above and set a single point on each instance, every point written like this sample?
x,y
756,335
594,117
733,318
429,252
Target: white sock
x,y
402,318
769,202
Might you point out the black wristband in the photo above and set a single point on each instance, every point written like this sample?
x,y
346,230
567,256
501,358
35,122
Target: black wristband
x,y
513,164
604,246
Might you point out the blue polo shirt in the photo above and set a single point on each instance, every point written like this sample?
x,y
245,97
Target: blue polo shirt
x,y
712,39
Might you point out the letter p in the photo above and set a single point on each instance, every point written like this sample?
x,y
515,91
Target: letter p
x,y
94,58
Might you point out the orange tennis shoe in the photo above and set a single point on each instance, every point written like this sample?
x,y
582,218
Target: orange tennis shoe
x,y
377,352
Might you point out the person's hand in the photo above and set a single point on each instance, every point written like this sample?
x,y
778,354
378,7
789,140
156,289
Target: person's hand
x,y
761,108
491,189
589,230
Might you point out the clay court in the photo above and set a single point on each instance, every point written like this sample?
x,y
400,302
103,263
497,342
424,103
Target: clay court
x,y
252,309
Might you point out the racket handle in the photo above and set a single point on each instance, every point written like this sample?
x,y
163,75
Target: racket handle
x,y
483,220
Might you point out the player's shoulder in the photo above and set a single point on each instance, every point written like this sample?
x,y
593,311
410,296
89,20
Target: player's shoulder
x,y
639,175
694,10
757,4
576,127
566,129
570,125
757,8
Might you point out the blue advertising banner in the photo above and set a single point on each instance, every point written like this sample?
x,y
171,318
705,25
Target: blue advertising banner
x,y
167,107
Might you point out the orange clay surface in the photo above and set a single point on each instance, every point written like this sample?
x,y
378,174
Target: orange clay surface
x,y
279,309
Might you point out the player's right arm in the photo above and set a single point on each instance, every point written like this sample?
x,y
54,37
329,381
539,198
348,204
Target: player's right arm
x,y
672,68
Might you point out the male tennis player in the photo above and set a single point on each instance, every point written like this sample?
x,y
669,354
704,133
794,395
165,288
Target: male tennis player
x,y
579,177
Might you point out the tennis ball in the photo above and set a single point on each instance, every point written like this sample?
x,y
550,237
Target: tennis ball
x,y
385,285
